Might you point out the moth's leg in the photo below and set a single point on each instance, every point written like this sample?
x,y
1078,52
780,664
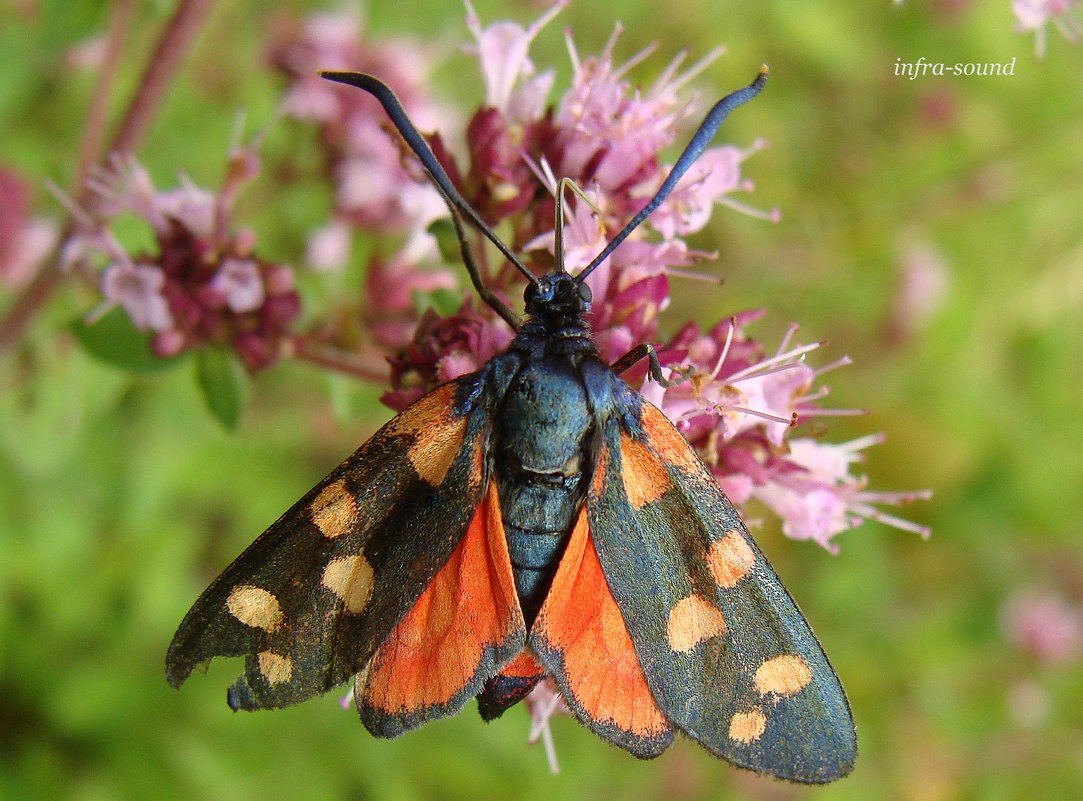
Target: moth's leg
x,y
654,367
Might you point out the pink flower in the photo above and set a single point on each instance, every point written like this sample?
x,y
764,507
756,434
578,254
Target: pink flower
x,y
240,283
739,409
922,286
1044,625
203,284
444,348
713,178
502,51
137,288
812,490
390,289
610,134
1036,15
372,187
126,186
329,246
543,702
25,241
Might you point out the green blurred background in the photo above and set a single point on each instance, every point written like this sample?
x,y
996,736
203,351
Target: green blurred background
x,y
120,497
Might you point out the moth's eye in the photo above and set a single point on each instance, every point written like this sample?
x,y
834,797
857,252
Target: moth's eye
x,y
540,292
584,293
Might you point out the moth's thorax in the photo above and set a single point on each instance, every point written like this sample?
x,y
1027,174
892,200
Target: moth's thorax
x,y
544,418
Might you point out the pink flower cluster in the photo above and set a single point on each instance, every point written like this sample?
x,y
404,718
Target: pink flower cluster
x,y
1044,625
742,403
375,191
740,410
202,283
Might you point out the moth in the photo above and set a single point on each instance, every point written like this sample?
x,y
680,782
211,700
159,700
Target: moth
x,y
536,518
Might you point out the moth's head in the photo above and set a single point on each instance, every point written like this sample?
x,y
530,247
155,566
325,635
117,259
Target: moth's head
x,y
557,293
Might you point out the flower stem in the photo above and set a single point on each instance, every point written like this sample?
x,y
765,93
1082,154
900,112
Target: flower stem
x,y
94,132
323,356
172,46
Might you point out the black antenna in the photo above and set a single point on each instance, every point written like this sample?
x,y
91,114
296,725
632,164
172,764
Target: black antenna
x,y
703,136
417,143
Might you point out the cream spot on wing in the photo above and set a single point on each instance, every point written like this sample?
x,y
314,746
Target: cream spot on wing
x,y
350,578
691,621
436,433
435,449
747,727
730,559
275,668
334,510
254,606
784,675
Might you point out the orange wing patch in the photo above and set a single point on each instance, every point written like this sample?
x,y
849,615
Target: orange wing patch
x,y
581,622
665,440
469,607
645,479
525,665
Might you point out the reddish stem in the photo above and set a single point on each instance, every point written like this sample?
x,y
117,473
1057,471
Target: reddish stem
x,y
94,132
366,369
164,62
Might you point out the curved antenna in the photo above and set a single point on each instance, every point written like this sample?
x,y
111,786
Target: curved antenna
x,y
563,185
703,136
382,92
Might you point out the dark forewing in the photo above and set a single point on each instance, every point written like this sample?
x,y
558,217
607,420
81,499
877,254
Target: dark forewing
x,y
309,602
729,657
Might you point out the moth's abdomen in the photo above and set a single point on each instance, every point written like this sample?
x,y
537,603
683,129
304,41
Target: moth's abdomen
x,y
535,551
543,431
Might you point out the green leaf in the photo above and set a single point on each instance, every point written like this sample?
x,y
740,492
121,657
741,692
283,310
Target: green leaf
x,y
447,240
114,339
224,385
444,302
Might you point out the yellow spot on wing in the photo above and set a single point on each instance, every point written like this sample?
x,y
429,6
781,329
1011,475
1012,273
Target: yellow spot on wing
x,y
350,578
275,668
254,606
747,727
436,448
784,675
437,433
691,621
334,510
730,559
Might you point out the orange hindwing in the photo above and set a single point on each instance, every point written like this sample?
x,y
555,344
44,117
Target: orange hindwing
x,y
465,626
